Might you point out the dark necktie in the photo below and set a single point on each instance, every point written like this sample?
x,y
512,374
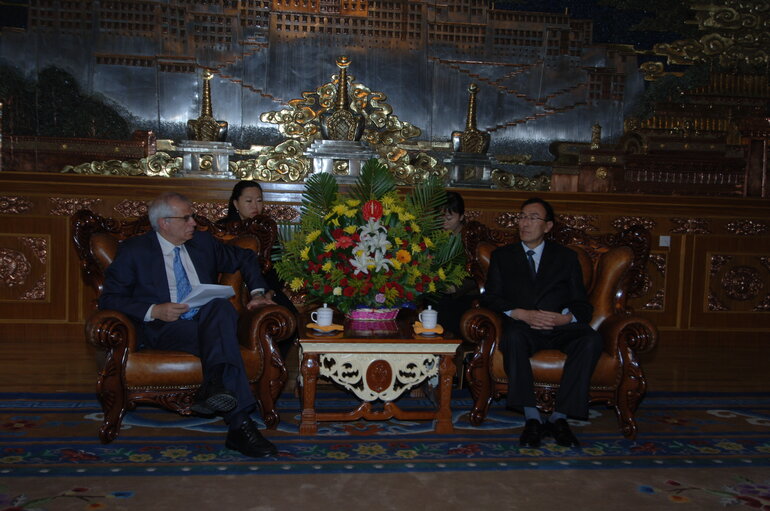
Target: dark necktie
x,y
183,286
532,268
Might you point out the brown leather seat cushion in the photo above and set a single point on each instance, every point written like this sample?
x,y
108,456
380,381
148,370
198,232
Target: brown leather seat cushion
x,y
547,367
159,368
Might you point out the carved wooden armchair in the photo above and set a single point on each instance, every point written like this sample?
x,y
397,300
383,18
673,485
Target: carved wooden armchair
x,y
170,379
613,267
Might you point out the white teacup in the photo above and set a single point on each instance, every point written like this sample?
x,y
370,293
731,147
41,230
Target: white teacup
x,y
322,316
428,318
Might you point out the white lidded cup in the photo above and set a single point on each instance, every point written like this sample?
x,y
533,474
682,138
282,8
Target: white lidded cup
x,y
428,318
322,316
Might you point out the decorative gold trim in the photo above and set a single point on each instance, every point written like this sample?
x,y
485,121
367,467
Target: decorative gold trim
x,y
690,226
15,268
300,124
510,181
36,292
736,33
131,208
580,222
65,206
159,164
625,222
746,227
11,205
36,245
656,302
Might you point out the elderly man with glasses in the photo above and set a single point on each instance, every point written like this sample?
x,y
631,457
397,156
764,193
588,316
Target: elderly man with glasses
x,y
148,281
538,287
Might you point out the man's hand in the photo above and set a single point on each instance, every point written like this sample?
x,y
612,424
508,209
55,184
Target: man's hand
x,y
541,320
261,300
169,311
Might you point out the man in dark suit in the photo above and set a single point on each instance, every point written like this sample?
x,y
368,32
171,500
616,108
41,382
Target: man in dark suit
x,y
538,287
148,280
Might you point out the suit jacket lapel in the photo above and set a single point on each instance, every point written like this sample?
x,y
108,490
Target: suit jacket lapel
x,y
158,266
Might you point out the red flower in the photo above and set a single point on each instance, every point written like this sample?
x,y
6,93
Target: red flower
x,y
327,289
348,291
372,210
345,242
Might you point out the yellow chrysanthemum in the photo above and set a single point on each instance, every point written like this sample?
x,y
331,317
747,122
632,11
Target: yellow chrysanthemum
x,y
428,242
296,284
408,217
352,202
304,254
339,209
330,246
397,241
396,264
441,274
335,222
327,266
350,229
312,236
415,227
350,213
432,287
416,248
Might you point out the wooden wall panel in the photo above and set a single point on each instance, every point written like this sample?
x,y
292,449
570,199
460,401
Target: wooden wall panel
x,y
34,262
38,205
731,284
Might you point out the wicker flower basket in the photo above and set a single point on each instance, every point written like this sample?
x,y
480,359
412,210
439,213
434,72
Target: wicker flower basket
x,y
369,314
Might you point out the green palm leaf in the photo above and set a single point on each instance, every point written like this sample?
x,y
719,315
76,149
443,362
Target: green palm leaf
x,y
427,202
374,181
320,193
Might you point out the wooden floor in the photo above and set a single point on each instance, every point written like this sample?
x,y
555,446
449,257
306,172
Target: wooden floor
x,y
692,362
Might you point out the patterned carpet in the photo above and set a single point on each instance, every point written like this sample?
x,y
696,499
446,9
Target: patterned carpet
x,y
54,435
705,450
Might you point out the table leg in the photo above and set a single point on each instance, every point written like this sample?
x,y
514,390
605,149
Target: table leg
x,y
444,413
309,369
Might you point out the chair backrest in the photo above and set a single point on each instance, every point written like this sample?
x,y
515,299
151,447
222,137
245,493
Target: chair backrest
x,y
613,264
96,240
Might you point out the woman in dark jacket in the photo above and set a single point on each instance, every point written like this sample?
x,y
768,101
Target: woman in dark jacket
x,y
246,202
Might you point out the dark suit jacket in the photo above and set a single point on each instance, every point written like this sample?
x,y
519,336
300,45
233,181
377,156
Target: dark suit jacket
x,y
559,282
137,278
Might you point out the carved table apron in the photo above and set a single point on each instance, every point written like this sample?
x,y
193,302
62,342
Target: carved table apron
x,y
377,369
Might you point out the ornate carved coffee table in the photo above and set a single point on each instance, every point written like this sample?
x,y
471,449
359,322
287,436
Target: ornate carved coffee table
x,y
377,361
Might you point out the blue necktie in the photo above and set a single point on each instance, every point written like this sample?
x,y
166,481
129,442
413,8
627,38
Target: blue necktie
x,y
530,253
183,286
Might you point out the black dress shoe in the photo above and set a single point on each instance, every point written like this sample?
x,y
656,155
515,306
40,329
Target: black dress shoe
x,y
249,441
560,431
213,399
532,434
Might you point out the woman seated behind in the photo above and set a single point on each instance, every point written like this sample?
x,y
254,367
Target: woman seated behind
x,y
452,304
246,202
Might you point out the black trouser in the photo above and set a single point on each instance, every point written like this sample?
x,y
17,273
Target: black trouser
x,y
211,335
582,345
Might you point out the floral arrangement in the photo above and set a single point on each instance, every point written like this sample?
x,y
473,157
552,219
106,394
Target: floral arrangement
x,y
372,247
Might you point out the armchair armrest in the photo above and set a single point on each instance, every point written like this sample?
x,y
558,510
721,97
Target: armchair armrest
x,y
111,330
266,325
638,333
479,325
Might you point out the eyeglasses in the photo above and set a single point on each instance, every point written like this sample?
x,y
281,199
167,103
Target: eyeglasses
x,y
531,218
185,218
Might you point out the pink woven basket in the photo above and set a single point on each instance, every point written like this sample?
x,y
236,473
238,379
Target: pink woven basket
x,y
367,314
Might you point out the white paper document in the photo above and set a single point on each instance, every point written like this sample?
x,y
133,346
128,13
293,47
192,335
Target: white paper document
x,y
204,293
